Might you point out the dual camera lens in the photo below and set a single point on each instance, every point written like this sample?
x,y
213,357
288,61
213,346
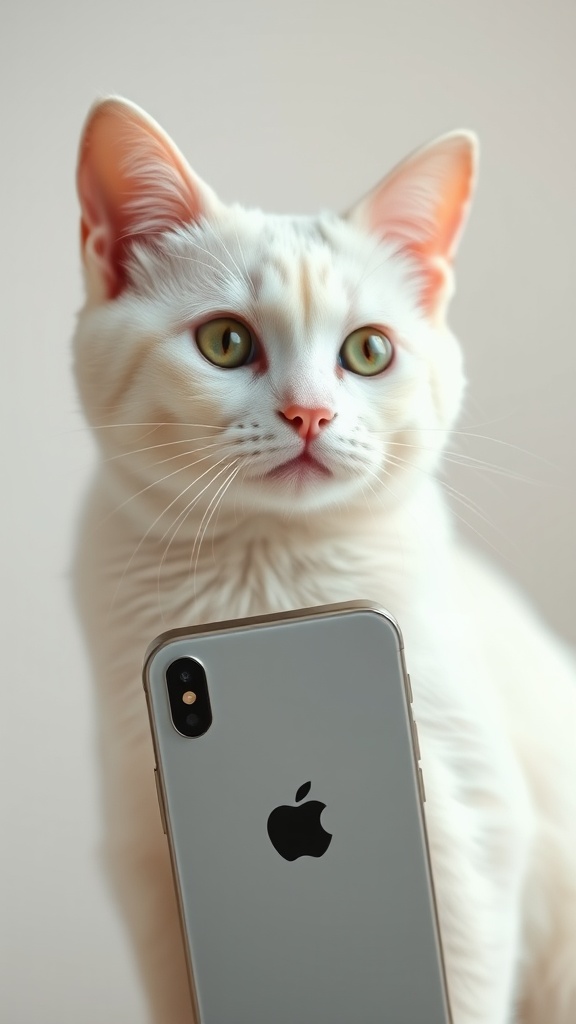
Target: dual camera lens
x,y
188,697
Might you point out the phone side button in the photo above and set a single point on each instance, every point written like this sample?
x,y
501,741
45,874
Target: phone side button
x,y
160,801
415,740
421,785
408,685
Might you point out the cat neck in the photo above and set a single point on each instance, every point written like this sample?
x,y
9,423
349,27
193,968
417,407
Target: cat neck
x,y
411,521
254,564
258,561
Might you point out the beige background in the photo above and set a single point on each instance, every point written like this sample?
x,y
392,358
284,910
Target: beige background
x,y
291,108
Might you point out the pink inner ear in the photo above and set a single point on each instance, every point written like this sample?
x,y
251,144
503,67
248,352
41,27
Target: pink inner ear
x,y
133,183
433,285
422,205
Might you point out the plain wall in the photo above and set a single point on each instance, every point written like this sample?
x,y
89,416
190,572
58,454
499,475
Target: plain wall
x,y
292,108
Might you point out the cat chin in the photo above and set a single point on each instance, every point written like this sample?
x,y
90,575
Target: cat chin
x,y
302,491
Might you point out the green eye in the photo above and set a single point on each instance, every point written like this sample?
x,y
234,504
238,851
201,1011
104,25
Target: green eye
x,y
225,342
366,352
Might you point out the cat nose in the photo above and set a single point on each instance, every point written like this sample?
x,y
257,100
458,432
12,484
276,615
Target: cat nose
x,y
307,422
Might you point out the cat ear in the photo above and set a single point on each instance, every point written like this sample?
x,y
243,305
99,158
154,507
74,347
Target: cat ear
x,y
422,206
133,183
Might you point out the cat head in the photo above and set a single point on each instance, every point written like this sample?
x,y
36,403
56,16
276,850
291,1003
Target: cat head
x,y
295,363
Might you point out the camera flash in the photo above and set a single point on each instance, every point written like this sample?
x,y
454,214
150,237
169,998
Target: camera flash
x,y
189,697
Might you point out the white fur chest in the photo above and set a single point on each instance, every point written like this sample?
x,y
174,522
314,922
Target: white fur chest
x,y
133,591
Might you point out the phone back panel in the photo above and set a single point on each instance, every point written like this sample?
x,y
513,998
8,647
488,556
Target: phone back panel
x,y
349,937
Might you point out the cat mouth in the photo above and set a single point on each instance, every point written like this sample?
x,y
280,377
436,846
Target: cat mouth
x,y
303,465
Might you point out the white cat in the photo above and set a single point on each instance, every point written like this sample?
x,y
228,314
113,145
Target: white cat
x,y
271,396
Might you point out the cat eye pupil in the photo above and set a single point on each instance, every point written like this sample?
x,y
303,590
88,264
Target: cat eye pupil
x,y
227,339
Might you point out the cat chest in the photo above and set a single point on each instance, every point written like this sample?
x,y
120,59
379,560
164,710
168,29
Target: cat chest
x,y
256,582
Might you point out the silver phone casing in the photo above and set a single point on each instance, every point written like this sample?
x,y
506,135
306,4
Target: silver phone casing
x,y
346,938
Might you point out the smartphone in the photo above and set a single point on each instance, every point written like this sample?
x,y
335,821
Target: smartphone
x,y
291,796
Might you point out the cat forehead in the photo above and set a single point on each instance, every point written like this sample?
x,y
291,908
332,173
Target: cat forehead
x,y
290,271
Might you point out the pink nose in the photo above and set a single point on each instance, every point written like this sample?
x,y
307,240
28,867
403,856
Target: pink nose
x,y
307,422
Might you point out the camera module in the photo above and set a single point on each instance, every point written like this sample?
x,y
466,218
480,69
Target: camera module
x,y
187,684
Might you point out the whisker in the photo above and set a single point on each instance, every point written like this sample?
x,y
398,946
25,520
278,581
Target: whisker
x,y
153,484
377,474
468,504
245,470
471,505
206,513
183,515
480,437
167,444
202,263
215,527
462,459
246,271
218,509
150,528
166,423
209,513
191,259
458,459
375,493
226,250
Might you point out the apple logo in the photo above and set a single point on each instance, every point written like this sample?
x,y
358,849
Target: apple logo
x,y
297,831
